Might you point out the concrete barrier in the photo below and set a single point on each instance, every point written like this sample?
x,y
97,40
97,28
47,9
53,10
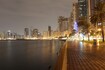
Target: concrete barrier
x,y
59,63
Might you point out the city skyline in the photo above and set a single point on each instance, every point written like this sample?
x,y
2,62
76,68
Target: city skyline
x,y
19,14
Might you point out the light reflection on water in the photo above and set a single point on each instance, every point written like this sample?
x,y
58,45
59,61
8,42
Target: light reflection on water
x,y
29,55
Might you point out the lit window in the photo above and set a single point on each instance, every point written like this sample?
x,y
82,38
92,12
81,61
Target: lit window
x,y
99,23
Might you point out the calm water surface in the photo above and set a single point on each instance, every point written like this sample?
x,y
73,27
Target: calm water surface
x,y
29,55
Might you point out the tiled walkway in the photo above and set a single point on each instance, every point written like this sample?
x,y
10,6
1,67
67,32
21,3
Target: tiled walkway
x,y
81,56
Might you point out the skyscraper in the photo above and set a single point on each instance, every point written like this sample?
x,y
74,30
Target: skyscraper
x,y
63,23
49,31
75,12
91,5
35,33
9,34
26,32
82,7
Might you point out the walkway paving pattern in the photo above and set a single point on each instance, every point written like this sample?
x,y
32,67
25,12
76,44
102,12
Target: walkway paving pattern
x,y
81,56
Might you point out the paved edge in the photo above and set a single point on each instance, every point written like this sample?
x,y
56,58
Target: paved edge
x,y
60,60
64,67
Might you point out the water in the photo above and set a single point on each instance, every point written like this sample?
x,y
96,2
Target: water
x,y
28,55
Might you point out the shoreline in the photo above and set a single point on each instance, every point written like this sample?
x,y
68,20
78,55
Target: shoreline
x,y
60,63
64,67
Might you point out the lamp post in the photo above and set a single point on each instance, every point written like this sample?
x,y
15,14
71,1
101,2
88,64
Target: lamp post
x,y
88,36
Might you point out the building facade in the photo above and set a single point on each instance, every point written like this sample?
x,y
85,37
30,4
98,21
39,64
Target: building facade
x,y
49,31
83,4
63,23
35,33
26,32
75,12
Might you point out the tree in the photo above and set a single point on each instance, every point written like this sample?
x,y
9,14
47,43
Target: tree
x,y
83,26
72,33
82,23
99,16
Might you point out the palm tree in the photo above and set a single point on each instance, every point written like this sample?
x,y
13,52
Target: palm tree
x,y
99,16
83,26
82,23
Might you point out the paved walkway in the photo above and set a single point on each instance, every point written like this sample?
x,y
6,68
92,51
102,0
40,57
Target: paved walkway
x,y
64,66
81,56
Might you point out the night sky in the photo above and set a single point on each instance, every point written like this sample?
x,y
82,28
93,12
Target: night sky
x,y
15,15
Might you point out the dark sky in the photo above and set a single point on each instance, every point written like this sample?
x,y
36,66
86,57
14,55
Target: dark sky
x,y
15,15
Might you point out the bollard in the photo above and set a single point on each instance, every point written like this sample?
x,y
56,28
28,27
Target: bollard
x,y
95,42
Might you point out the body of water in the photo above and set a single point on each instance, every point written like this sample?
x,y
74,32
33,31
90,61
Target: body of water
x,y
28,54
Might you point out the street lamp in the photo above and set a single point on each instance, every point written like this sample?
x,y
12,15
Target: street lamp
x,y
99,29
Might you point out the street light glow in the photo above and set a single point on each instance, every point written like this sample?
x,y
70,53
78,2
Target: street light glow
x,y
99,29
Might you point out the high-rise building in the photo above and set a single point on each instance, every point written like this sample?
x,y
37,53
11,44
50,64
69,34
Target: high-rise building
x,y
26,32
45,34
75,12
35,33
91,5
63,23
49,31
9,34
31,32
83,4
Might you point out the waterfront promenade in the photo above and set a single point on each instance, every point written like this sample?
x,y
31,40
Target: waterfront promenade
x,y
81,56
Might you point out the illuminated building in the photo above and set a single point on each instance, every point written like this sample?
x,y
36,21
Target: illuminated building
x,y
83,4
45,34
75,26
49,31
2,35
91,5
35,33
26,32
9,34
63,23
75,16
75,12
